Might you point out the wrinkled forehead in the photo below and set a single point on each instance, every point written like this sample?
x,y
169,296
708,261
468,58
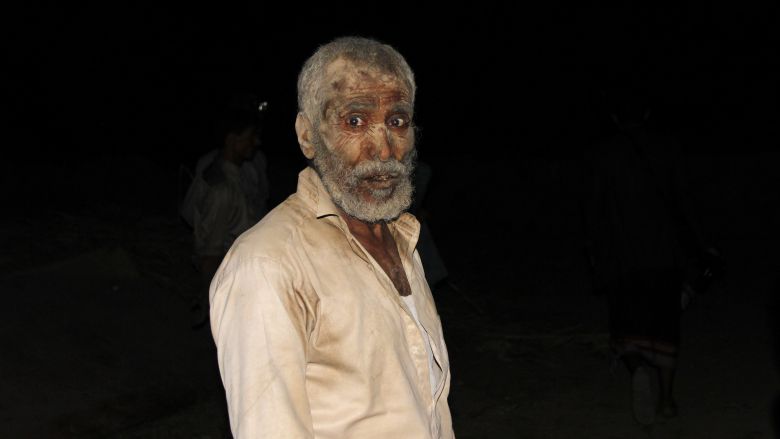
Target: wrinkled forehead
x,y
346,79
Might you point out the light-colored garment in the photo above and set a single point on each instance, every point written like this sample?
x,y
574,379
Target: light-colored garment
x,y
434,369
313,339
222,206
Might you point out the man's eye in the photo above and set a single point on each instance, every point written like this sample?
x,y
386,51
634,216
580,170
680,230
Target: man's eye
x,y
355,121
398,122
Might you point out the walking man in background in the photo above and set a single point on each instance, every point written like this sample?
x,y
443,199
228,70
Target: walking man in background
x,y
228,195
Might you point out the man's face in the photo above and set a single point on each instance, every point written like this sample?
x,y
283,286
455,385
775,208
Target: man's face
x,y
364,145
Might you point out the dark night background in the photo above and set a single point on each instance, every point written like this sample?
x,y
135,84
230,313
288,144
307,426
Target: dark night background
x,y
105,105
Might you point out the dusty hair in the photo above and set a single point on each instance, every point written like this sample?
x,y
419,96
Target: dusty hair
x,y
361,51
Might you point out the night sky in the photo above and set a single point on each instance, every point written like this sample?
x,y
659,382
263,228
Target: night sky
x,y
523,79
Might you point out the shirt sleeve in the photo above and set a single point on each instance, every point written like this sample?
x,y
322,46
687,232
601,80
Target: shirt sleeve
x,y
259,326
212,222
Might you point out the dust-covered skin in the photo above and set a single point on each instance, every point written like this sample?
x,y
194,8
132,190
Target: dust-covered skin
x,y
363,147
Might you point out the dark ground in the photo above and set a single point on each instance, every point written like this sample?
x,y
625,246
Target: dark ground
x,y
97,341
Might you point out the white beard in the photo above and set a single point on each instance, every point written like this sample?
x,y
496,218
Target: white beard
x,y
344,184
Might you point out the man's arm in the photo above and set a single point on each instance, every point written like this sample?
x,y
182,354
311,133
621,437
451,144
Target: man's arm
x,y
259,326
212,224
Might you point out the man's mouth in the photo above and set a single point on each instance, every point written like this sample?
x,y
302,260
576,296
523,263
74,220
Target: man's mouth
x,y
381,180
382,177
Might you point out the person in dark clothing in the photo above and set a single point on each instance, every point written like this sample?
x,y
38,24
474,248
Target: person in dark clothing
x,y
435,269
643,240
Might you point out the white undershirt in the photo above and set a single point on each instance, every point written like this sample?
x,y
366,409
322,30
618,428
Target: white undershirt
x,y
434,372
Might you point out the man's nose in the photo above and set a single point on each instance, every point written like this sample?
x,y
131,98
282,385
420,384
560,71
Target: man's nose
x,y
383,146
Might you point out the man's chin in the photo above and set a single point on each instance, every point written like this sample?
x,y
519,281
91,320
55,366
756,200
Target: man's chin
x,y
377,196
371,217
374,208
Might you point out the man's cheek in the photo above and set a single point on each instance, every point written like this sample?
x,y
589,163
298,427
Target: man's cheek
x,y
402,143
346,140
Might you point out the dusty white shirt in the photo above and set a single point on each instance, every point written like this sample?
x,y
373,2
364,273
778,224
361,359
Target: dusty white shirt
x,y
313,339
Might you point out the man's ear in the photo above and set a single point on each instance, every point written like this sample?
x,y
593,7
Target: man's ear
x,y
304,130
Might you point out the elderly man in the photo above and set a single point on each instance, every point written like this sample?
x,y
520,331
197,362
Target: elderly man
x,y
324,323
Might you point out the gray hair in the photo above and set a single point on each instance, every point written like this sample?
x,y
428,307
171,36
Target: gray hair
x,y
358,50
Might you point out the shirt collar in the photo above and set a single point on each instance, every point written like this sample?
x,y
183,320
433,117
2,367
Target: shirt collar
x,y
407,228
312,190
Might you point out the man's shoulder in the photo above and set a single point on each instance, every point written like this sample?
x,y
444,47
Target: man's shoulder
x,y
205,160
274,235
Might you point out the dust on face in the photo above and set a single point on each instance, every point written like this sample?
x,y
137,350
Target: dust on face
x,y
364,146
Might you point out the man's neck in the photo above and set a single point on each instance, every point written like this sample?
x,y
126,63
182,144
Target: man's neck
x,y
362,229
380,244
